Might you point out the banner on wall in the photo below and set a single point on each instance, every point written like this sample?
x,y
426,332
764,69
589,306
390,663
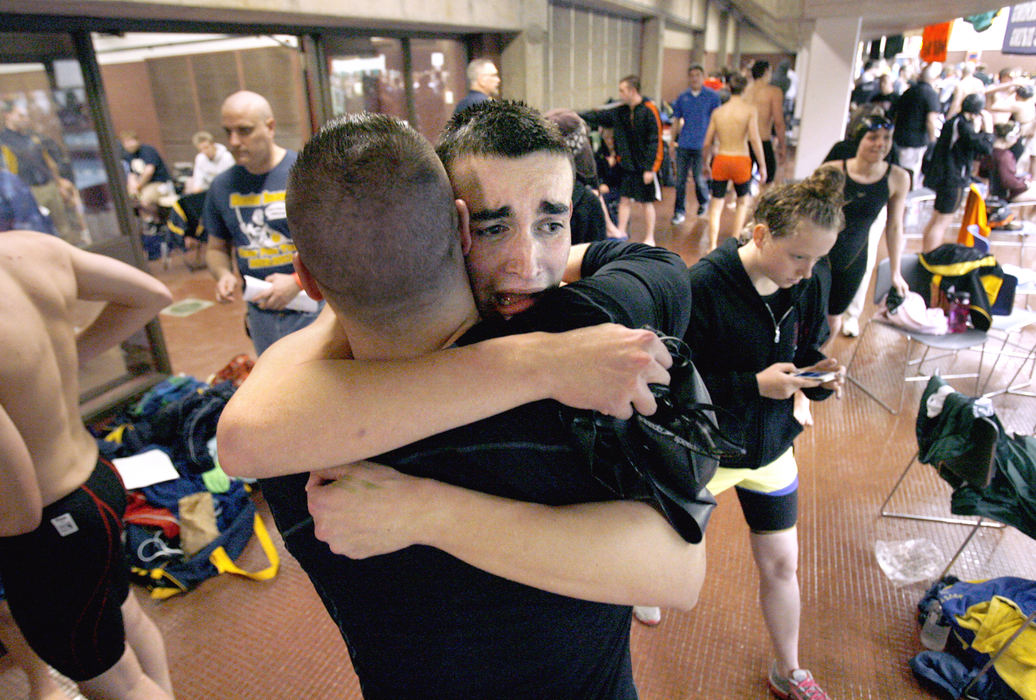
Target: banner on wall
x,y
1020,36
934,40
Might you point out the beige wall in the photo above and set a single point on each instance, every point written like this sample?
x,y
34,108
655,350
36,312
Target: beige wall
x,y
714,30
447,15
679,39
674,76
550,55
588,52
132,105
752,41
166,100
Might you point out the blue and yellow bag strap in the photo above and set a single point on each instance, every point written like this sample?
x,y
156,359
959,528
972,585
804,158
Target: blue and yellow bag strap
x,y
224,564
174,222
157,577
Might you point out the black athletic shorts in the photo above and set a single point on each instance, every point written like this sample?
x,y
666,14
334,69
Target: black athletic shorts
x,y
947,198
66,580
771,160
718,189
633,187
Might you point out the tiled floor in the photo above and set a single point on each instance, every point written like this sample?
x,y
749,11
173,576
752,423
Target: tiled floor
x,y
233,638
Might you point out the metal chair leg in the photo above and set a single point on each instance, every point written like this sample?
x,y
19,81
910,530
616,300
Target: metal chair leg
x,y
896,487
933,518
1000,652
953,559
859,385
855,382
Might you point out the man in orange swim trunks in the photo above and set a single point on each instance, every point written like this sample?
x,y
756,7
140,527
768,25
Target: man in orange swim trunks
x,y
735,125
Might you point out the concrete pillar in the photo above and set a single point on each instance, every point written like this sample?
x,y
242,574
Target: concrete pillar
x,y
725,47
652,47
698,51
523,60
733,42
802,73
825,90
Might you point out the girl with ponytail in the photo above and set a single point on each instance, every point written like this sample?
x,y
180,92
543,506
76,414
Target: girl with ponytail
x,y
757,323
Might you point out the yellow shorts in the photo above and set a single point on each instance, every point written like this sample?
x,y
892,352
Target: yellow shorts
x,y
775,476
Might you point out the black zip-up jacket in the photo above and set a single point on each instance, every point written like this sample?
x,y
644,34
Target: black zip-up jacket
x,y
733,336
957,146
638,138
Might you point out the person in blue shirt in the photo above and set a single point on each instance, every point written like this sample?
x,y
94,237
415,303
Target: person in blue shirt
x,y
18,208
148,180
691,113
483,84
245,220
25,153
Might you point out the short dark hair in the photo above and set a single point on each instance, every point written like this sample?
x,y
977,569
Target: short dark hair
x,y
1024,91
633,81
696,66
502,128
817,199
973,104
759,69
736,82
371,212
870,122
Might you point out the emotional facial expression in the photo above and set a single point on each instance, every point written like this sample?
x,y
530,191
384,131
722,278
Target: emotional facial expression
x,y
520,227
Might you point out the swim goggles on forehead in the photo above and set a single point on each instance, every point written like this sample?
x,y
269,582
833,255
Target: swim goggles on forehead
x,y
873,123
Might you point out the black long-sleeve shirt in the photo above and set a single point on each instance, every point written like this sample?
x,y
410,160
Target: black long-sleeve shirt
x,y
638,134
733,336
958,145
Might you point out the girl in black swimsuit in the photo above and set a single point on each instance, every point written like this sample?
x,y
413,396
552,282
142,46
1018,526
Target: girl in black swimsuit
x,y
870,184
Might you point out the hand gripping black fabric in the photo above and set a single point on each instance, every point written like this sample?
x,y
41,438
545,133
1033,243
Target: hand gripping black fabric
x,y
667,458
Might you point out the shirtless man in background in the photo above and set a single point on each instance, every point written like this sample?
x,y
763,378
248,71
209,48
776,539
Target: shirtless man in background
x,y
769,103
61,505
736,125
968,85
1020,108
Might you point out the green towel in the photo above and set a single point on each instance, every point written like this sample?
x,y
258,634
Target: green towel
x,y
216,480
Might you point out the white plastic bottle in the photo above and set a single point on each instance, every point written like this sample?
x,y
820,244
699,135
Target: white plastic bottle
x,y
935,630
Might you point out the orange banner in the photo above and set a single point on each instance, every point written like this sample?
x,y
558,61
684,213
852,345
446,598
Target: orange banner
x,y
933,42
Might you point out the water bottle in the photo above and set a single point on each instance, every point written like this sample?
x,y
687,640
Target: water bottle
x,y
935,630
960,308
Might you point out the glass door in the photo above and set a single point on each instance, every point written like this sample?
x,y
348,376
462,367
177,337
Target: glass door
x,y
56,138
366,75
416,80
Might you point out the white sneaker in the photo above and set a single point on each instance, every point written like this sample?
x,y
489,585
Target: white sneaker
x,y
647,615
851,327
678,218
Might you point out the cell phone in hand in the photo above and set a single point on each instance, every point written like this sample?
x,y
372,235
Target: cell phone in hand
x,y
819,376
